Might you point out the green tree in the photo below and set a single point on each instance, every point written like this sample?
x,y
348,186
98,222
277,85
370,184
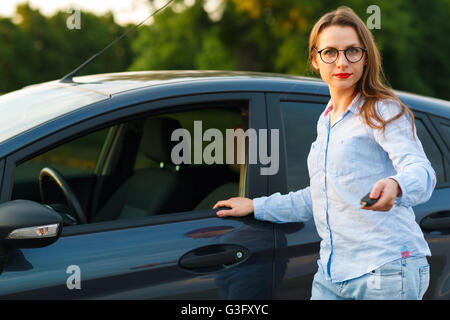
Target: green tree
x,y
253,35
57,50
174,39
273,35
17,56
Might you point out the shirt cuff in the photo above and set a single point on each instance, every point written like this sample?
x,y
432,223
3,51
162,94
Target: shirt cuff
x,y
399,198
258,207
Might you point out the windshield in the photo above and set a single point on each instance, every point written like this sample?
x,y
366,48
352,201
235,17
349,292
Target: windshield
x,y
29,107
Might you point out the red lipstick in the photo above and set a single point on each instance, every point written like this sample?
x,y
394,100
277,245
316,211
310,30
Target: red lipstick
x,y
343,75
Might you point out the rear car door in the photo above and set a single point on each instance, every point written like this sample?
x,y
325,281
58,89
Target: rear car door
x,y
297,244
434,215
128,252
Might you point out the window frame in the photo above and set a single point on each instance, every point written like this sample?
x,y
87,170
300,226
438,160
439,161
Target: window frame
x,y
279,182
437,121
430,124
255,184
2,171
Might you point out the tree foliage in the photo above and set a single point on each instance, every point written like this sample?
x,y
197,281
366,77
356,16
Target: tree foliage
x,y
272,35
40,48
253,35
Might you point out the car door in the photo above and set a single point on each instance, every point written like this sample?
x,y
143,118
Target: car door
x,y
297,244
433,216
189,254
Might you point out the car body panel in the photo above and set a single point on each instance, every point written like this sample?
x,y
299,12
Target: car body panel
x,y
142,263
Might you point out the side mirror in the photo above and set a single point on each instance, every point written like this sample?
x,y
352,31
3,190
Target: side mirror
x,y
28,224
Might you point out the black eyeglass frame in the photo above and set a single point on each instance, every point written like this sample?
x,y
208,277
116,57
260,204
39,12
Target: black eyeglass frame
x,y
345,54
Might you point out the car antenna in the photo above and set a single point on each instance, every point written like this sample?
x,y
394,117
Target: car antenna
x,y
68,78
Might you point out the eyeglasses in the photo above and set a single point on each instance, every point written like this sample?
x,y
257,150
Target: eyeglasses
x,y
330,55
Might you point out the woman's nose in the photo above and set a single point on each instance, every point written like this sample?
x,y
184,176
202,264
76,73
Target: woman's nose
x,y
341,60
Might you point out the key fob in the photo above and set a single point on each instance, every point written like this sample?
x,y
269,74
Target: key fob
x,y
366,201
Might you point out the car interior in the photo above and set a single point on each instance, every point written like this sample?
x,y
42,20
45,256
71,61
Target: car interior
x,y
131,173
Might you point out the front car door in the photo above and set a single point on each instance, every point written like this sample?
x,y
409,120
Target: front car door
x,y
129,251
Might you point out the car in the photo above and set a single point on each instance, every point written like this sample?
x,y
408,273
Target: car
x,y
93,205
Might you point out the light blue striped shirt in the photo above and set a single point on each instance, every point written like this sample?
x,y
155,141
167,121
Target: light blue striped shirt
x,y
344,164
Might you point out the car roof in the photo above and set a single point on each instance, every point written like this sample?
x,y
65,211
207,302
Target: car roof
x,y
114,83
36,104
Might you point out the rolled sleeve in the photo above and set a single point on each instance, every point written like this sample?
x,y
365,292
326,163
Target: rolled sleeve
x,y
292,207
415,175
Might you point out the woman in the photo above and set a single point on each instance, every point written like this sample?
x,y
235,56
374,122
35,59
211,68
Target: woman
x,y
366,142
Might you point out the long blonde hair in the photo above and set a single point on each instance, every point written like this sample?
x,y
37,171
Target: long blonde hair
x,y
370,85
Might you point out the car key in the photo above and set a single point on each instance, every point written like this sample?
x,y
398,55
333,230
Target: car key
x,y
366,201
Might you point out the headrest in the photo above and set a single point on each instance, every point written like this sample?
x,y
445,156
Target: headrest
x,y
156,135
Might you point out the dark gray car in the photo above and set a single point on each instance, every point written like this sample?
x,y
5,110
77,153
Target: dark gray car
x,y
94,207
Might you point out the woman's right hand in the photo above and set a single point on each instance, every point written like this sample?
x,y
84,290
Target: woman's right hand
x,y
239,207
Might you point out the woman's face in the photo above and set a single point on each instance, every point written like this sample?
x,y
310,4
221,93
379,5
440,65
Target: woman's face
x,y
339,37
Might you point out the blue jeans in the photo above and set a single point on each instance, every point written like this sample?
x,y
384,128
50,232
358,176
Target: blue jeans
x,y
401,279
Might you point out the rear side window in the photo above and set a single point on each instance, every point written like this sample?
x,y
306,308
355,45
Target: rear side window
x,y
299,125
300,130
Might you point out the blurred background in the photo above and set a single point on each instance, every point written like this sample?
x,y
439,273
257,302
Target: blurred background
x,y
37,44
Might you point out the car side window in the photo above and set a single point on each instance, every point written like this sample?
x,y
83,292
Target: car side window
x,y
159,184
75,160
299,122
431,150
300,130
77,157
139,173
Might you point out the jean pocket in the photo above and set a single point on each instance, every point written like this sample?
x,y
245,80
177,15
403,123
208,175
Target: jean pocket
x,y
385,282
393,268
424,274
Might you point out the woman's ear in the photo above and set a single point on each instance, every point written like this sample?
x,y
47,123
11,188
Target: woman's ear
x,y
314,62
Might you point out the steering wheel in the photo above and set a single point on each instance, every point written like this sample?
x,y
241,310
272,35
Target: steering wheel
x,y
61,182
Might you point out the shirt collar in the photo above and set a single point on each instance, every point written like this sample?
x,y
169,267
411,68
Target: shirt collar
x,y
353,107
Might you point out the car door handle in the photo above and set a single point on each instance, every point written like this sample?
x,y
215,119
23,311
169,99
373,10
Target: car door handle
x,y
213,257
436,221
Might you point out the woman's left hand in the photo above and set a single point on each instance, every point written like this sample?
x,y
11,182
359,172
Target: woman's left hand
x,y
387,190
